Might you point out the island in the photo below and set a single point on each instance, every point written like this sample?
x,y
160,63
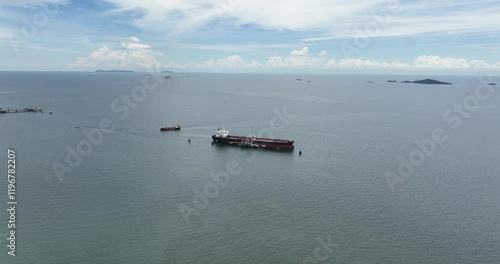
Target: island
x,y
425,81
392,81
113,71
430,81
492,84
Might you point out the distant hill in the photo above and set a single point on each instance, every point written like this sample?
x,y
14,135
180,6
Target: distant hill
x,y
430,81
113,71
425,81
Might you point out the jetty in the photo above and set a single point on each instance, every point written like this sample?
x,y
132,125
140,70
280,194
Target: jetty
x,y
20,110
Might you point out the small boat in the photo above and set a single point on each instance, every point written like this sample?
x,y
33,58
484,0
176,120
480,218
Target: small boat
x,y
169,128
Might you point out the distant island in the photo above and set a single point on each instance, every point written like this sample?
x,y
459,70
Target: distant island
x,y
167,71
425,81
113,71
492,84
430,81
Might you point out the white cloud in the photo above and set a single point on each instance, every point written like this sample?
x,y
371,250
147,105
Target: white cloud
x,y
323,53
303,52
330,18
420,17
230,62
233,62
424,62
285,62
134,56
437,62
351,63
133,44
331,63
134,39
32,3
297,62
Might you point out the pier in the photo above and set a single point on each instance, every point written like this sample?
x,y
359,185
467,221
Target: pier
x,y
20,110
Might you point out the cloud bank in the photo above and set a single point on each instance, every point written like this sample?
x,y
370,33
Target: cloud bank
x,y
133,54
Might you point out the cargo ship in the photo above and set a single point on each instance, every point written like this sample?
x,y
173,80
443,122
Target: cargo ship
x,y
222,136
169,128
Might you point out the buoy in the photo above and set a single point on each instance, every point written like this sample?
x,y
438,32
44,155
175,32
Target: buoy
x,y
189,140
50,112
300,152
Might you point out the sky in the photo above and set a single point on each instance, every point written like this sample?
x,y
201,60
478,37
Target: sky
x,y
262,36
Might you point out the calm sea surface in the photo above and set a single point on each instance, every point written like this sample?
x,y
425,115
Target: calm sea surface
x,y
332,204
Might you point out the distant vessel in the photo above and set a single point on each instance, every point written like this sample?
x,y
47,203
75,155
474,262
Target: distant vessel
x,y
222,136
169,128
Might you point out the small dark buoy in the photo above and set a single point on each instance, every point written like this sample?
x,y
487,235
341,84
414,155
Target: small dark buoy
x,y
189,140
300,152
50,112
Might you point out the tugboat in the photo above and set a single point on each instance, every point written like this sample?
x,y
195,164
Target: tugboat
x,y
169,128
222,136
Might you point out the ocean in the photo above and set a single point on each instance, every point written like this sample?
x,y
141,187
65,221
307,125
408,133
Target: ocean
x,y
389,172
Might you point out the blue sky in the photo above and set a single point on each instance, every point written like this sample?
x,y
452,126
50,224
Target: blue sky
x,y
316,36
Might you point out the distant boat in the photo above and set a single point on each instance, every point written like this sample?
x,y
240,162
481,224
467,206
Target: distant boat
x,y
169,128
298,79
77,126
